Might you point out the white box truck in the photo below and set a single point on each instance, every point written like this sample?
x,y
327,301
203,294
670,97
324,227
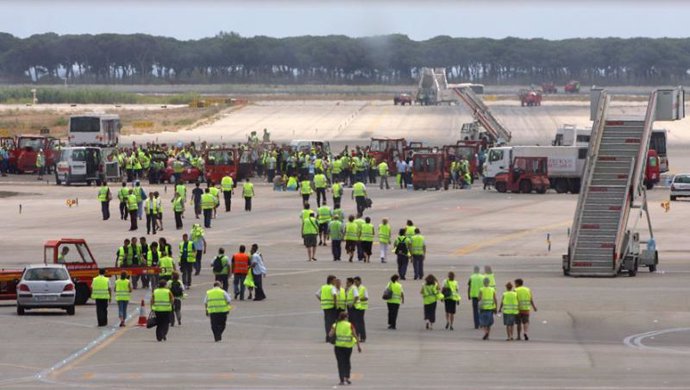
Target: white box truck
x,y
565,163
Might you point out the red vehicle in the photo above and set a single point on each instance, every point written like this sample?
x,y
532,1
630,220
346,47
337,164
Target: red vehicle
x,y
530,97
24,155
402,99
220,163
466,149
526,174
388,150
572,87
189,174
80,263
428,171
549,88
652,170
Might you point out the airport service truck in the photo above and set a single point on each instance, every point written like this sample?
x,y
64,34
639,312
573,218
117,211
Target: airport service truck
x,y
565,164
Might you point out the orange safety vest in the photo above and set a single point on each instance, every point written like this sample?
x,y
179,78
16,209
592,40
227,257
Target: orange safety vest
x,y
241,263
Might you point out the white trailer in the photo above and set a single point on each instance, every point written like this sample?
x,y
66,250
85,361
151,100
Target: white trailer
x,y
94,130
565,163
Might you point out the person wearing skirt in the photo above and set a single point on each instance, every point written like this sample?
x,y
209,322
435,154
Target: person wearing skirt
x,y
430,294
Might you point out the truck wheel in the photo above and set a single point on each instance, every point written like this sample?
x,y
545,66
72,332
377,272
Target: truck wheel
x,y
525,187
70,310
561,186
673,198
633,272
20,310
541,190
652,268
82,296
649,185
88,183
501,187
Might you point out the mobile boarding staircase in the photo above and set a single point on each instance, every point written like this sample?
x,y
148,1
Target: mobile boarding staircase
x,y
605,237
481,113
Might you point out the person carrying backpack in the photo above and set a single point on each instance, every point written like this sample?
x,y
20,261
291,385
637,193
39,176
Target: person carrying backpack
x,y
221,268
401,249
177,289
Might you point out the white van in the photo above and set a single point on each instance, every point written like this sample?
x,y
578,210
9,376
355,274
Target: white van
x,y
80,165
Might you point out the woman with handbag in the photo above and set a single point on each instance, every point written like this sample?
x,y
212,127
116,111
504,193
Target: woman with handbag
x,y
451,298
394,296
430,294
344,336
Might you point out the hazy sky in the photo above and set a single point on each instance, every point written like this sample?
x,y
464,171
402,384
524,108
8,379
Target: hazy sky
x,y
419,19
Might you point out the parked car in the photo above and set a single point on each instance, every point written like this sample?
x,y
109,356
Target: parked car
x,y
680,186
45,286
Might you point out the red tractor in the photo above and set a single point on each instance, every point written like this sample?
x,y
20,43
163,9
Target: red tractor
x,y
526,174
428,171
530,97
549,88
572,87
402,99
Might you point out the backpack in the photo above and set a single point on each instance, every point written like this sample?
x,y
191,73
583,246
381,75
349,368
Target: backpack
x,y
217,265
401,248
176,289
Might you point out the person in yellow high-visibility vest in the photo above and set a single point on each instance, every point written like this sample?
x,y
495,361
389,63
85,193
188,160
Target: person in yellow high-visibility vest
x,y
248,194
451,298
162,304
217,303
328,297
123,294
345,336
208,203
102,294
487,308
509,309
525,303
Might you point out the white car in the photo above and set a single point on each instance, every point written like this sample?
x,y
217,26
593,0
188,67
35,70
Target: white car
x,y
680,186
45,286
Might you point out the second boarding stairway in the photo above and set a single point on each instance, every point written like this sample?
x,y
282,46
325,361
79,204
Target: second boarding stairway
x,y
598,234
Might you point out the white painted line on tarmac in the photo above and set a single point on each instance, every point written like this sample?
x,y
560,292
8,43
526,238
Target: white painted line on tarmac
x,y
45,374
636,340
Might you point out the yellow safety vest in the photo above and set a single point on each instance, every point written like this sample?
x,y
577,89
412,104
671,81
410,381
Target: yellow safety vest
x,y
305,187
417,244
343,334
429,293
524,296
216,302
122,292
248,190
103,194
453,286
327,297
476,282
487,302
384,234
226,183
396,290
367,233
351,231
342,299
208,202
362,305
100,288
510,302
191,255
161,300
358,189
132,203
166,265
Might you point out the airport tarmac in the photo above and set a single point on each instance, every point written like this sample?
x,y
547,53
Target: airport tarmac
x,y
609,333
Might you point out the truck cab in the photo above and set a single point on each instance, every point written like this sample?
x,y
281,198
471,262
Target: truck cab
x,y
524,175
27,149
220,163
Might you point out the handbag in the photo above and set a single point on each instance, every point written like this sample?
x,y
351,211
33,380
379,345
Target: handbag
x,y
447,293
387,293
151,321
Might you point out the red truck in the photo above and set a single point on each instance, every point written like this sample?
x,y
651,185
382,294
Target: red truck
x,y
388,150
220,163
573,86
530,97
428,170
23,157
80,263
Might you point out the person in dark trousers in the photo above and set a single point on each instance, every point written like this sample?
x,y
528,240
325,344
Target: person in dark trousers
x,y
177,289
161,303
196,198
397,298
248,193
401,249
104,196
217,303
221,268
102,293
328,296
240,268
133,209
122,196
258,270
474,284
345,336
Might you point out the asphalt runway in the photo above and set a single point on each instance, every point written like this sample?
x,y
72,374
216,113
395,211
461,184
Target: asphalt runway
x,y
606,333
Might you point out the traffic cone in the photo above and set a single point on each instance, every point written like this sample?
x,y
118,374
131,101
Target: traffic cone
x,y
142,315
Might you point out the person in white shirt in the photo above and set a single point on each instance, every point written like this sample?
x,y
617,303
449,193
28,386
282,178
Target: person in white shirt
x,y
258,270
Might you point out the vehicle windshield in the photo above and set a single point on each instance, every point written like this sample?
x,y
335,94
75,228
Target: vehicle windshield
x,y
425,164
682,179
33,143
74,154
46,274
495,155
221,157
377,145
85,124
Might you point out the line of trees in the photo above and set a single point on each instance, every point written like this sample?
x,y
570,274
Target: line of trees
x,y
390,59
